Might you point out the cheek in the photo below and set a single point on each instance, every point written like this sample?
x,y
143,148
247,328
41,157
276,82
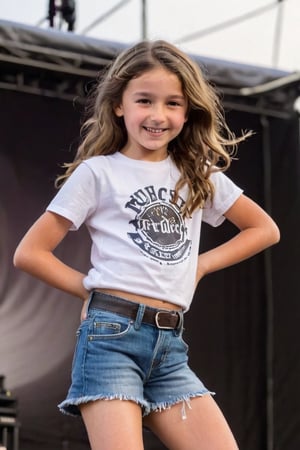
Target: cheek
x,y
134,118
131,123
181,120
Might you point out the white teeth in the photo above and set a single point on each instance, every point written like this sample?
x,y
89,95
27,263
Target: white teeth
x,y
154,130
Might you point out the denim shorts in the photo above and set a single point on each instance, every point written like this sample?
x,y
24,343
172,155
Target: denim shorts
x,y
117,357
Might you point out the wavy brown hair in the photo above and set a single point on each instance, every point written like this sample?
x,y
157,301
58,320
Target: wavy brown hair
x,y
205,143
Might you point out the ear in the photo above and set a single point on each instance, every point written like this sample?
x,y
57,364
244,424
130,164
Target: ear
x,y
119,111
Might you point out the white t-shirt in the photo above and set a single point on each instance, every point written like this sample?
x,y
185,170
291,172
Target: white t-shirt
x,y
140,242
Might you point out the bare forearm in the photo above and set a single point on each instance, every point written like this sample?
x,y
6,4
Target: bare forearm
x,y
54,272
35,255
244,245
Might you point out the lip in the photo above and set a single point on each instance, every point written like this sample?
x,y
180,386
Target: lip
x,y
154,130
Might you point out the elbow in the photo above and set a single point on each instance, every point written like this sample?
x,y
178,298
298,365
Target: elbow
x,y
17,260
20,260
277,236
274,234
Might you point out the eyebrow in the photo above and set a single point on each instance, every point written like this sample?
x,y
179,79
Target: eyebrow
x,y
147,94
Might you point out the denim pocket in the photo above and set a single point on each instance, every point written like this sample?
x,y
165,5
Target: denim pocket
x,y
108,325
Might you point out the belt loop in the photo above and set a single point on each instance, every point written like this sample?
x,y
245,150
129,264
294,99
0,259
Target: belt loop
x,y
139,316
90,298
180,323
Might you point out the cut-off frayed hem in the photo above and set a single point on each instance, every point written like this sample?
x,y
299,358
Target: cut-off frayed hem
x,y
186,403
71,406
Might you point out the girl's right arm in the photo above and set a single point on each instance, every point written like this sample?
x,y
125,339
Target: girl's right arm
x,y
35,255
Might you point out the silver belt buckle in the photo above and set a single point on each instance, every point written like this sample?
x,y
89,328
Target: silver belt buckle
x,y
157,321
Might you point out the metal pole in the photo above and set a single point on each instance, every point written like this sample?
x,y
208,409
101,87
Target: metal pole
x,y
278,34
269,290
104,16
144,19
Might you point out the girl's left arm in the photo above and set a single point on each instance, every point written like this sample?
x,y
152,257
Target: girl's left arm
x,y
257,232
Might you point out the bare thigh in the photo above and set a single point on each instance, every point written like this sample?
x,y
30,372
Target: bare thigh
x,y
204,428
113,424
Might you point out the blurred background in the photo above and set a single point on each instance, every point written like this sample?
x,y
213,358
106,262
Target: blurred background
x,y
259,32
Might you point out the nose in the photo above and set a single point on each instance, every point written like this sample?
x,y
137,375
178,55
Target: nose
x,y
158,112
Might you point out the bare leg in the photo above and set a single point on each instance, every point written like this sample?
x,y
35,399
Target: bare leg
x,y
204,428
113,424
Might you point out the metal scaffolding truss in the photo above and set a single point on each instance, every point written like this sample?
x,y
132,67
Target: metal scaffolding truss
x,y
44,71
64,65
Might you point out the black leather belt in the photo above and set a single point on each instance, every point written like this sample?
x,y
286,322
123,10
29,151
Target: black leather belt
x,y
161,318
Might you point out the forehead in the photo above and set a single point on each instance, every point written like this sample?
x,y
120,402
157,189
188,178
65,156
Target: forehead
x,y
157,79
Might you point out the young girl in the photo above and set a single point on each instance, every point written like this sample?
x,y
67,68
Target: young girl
x,y
148,171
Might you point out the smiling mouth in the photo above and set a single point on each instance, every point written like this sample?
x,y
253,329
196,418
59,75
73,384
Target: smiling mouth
x,y
154,130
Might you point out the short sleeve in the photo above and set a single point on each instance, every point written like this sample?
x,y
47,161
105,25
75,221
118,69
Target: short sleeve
x,y
226,193
76,199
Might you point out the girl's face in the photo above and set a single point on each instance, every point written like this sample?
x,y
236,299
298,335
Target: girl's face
x,y
154,109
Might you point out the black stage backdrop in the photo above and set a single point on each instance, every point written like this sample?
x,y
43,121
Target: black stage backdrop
x,y
243,324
